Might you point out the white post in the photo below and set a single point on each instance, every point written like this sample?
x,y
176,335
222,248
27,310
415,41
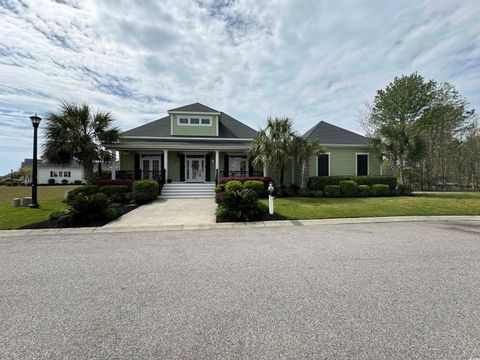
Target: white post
x,y
114,165
217,164
165,163
270,198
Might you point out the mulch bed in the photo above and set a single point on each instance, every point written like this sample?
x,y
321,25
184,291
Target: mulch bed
x,y
266,217
62,223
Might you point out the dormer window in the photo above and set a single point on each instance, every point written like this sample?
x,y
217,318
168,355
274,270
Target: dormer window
x,y
196,121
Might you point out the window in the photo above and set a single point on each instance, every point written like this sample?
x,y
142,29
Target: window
x,y
362,164
323,165
53,174
60,173
195,121
67,174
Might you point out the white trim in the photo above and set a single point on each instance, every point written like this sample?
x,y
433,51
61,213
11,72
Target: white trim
x,y
165,162
192,112
153,147
356,163
217,160
171,127
329,162
182,138
200,118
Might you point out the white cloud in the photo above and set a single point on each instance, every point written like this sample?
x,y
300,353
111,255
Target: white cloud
x,y
311,60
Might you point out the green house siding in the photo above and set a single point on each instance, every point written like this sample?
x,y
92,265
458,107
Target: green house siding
x,y
126,161
343,161
194,130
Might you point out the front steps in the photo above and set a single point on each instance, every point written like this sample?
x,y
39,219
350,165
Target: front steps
x,y
188,190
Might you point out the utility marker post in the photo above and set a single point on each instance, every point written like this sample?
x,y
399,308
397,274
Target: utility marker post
x,y
270,198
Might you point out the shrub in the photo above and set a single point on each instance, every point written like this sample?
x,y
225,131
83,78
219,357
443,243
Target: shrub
x,y
77,182
7,182
233,185
147,186
286,191
218,198
85,190
265,179
319,182
317,193
87,208
380,190
404,190
363,190
65,182
111,213
128,183
240,205
304,192
332,191
115,192
141,198
348,188
255,185
51,181
219,188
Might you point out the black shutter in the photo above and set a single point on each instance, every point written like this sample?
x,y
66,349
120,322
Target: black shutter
x,y
250,168
226,166
182,167
136,166
362,165
207,167
323,165
162,161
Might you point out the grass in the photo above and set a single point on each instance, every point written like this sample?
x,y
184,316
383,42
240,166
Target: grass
x,y
421,204
50,199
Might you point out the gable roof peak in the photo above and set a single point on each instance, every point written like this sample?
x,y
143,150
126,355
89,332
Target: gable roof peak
x,y
194,107
326,133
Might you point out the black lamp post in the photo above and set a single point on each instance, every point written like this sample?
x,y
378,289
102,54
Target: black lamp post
x,y
35,122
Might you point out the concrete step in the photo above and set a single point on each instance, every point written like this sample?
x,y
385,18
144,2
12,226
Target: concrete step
x,y
188,190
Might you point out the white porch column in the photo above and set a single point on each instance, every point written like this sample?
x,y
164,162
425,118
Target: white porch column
x,y
265,172
114,165
165,163
217,164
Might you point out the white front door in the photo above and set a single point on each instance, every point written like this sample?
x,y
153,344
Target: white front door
x,y
195,168
150,167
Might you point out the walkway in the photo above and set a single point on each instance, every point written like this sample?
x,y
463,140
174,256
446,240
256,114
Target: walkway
x,y
168,212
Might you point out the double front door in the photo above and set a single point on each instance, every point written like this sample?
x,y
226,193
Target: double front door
x,y
195,168
151,167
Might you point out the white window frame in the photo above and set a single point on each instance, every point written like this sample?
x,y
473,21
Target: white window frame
x,y
329,162
200,118
356,162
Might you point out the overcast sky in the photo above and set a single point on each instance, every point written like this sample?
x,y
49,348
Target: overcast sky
x,y
311,60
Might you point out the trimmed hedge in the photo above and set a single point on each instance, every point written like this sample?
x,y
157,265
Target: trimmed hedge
x,y
348,188
147,186
363,191
233,185
255,185
380,190
128,183
265,179
319,182
332,191
86,190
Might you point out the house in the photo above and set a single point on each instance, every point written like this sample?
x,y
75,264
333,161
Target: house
x,y
61,174
194,145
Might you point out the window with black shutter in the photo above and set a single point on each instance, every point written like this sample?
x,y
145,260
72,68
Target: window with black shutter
x,y
362,164
323,165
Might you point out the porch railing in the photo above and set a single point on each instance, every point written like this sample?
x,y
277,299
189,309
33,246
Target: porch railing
x,y
158,175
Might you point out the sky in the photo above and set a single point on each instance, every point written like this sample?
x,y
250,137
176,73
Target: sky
x,y
309,60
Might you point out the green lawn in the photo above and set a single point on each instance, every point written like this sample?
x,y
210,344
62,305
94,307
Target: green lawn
x,y
424,204
49,197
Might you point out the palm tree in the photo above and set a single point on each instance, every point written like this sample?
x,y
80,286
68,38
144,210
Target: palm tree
x,y
76,133
274,146
303,151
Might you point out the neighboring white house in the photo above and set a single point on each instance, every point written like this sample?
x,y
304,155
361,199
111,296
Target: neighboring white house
x,y
60,174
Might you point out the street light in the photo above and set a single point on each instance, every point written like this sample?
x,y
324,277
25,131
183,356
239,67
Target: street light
x,y
35,122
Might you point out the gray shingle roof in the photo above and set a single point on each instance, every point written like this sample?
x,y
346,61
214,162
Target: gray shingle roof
x,y
229,128
326,133
195,107
45,163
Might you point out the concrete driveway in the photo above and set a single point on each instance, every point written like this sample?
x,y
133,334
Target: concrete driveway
x,y
357,291
166,212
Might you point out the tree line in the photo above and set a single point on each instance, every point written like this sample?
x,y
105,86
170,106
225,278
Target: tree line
x,y
425,134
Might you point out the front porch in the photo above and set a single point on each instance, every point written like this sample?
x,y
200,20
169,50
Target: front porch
x,y
184,166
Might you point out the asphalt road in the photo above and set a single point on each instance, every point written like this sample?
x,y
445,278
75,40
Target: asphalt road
x,y
365,291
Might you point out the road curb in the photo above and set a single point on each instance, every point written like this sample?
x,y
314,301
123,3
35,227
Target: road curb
x,y
260,224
